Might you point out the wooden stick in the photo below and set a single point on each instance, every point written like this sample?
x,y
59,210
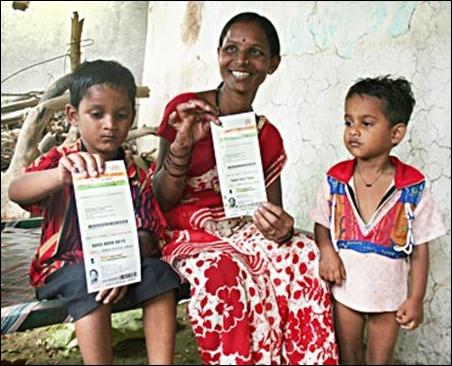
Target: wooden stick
x,y
76,35
20,104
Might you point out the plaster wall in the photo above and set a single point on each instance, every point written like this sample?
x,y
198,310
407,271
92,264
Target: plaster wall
x,y
327,46
116,29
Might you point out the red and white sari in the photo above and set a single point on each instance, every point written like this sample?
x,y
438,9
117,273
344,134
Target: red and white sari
x,y
253,301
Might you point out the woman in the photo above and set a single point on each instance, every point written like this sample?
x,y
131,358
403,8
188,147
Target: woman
x,y
256,294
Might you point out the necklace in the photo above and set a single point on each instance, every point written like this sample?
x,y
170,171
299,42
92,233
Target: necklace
x,y
367,184
217,98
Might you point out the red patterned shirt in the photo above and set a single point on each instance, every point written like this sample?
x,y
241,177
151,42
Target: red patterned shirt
x,y
60,239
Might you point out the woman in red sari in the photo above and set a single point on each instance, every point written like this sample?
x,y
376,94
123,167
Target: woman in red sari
x,y
256,295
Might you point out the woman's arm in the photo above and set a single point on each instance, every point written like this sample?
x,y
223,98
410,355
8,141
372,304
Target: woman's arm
x,y
191,120
274,194
169,181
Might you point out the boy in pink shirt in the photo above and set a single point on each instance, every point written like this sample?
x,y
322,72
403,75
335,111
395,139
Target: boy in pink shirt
x,y
373,219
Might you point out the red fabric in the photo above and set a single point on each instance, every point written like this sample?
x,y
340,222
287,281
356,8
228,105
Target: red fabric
x,y
253,301
60,238
203,160
405,175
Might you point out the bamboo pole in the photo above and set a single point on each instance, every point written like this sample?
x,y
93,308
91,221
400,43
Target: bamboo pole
x,y
76,35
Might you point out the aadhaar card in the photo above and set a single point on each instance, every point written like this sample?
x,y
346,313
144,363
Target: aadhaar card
x,y
108,229
239,164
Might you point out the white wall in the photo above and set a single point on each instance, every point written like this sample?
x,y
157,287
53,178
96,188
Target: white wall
x,y
118,29
326,46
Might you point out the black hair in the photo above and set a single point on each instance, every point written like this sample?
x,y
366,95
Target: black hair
x,y
264,23
100,72
395,94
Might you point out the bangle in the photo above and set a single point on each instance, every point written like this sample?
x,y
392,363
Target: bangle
x,y
175,175
288,236
170,152
176,165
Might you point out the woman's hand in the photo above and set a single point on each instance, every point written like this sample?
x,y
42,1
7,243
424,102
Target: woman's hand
x,y
210,226
192,120
273,222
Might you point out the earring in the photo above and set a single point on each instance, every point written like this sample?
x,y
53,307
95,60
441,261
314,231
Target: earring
x,y
270,72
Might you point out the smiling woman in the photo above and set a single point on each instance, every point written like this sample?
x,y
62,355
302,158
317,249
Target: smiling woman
x,y
256,294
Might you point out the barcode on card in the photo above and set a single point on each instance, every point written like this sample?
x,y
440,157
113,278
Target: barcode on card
x,y
127,275
103,224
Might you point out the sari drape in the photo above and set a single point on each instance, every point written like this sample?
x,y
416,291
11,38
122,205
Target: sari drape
x,y
253,301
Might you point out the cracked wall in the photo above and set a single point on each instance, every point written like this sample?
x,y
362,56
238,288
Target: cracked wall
x,y
326,46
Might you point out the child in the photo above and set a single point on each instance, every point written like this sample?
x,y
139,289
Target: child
x,y
373,219
103,108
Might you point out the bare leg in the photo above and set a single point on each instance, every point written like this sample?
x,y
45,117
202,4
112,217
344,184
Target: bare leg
x,y
349,331
382,334
160,328
94,337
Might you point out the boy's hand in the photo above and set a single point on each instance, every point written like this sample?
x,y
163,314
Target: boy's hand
x,y
149,244
410,314
331,267
83,162
112,295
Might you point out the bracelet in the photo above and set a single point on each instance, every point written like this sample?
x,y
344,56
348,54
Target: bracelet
x,y
288,236
178,166
170,152
171,163
175,175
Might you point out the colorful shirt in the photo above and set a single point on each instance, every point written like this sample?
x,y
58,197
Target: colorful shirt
x,y
376,254
60,238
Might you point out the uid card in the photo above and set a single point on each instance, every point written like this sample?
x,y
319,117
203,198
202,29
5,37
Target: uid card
x,y
108,229
239,164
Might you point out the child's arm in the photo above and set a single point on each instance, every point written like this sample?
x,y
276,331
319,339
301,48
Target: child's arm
x,y
32,187
331,266
411,312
